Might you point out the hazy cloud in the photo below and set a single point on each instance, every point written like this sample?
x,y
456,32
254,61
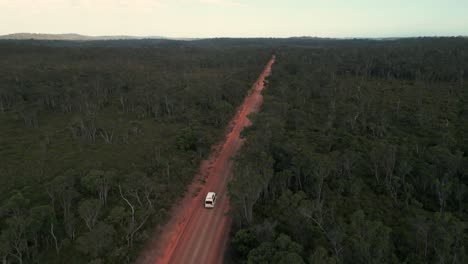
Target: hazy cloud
x,y
242,18
46,4
220,2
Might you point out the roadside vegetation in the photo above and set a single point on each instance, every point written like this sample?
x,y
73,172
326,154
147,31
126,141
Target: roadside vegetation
x,y
99,139
359,155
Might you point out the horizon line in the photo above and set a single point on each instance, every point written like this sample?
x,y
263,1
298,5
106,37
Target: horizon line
x,y
231,37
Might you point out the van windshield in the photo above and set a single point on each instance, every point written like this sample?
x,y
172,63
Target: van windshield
x,y
208,202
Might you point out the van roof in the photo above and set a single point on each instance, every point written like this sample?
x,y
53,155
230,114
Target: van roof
x,y
209,195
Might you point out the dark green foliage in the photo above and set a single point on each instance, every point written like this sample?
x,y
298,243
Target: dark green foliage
x,y
99,140
187,140
244,240
282,251
97,241
359,155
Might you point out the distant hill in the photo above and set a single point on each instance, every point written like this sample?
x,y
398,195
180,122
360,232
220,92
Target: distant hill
x,y
74,37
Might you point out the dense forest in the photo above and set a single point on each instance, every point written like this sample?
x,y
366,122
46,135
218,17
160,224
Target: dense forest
x,y
98,141
359,155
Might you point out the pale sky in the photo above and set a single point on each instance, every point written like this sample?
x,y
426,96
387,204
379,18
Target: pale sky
x,y
237,18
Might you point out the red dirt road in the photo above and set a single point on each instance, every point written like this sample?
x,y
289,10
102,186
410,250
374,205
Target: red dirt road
x,y
195,234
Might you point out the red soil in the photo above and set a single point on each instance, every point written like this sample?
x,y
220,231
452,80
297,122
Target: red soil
x,y
195,234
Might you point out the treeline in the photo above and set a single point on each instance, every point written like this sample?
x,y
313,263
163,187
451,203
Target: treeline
x,y
359,155
97,143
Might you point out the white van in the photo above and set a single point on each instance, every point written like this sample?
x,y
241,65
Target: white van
x,y
210,200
